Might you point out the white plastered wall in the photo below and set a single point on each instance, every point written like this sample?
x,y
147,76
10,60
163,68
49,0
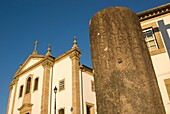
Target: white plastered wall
x,y
35,95
31,62
88,95
161,62
62,70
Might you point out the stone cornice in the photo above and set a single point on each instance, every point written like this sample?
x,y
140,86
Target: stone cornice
x,y
14,81
67,54
48,63
75,54
160,10
86,69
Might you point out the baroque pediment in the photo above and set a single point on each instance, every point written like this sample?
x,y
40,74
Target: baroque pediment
x,y
30,61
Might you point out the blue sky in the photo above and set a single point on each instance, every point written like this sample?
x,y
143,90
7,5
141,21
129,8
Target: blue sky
x,y
53,22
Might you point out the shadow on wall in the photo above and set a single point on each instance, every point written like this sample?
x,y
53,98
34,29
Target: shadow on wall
x,y
163,29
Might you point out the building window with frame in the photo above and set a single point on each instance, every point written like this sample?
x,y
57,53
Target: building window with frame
x,y
92,86
36,84
153,38
28,87
61,111
89,108
167,84
61,84
21,91
150,39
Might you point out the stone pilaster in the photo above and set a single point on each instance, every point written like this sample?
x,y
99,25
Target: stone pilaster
x,y
75,57
15,82
9,98
47,64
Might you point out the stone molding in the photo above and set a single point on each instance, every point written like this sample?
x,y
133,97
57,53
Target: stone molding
x,y
86,69
10,87
154,12
12,83
75,54
25,108
47,63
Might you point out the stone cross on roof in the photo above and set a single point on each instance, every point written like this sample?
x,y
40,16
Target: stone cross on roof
x,y
35,48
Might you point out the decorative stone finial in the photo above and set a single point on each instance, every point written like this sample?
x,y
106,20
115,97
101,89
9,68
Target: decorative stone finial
x,y
35,48
75,43
48,50
20,65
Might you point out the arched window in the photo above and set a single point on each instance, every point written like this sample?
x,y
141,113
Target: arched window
x,y
36,84
28,85
20,91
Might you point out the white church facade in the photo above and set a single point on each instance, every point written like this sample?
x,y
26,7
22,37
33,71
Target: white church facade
x,y
62,85
32,90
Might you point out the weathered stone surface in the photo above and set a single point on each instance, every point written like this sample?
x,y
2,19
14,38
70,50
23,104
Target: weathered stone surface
x,y
124,76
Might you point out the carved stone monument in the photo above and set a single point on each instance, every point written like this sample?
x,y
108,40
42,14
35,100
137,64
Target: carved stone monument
x,y
124,76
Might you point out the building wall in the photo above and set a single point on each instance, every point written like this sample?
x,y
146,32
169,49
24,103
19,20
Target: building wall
x,y
89,96
62,70
161,62
35,95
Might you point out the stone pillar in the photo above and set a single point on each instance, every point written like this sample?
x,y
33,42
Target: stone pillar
x,y
75,57
124,76
47,64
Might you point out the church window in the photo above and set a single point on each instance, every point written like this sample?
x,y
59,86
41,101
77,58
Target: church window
x,y
21,91
167,84
61,111
36,84
150,39
61,84
28,85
